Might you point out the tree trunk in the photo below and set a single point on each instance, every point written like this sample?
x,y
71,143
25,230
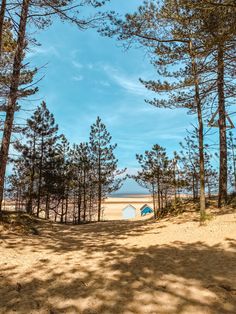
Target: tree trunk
x,y
17,198
62,211
79,208
233,159
84,196
47,206
15,79
201,164
162,200
99,187
158,192
40,177
153,201
200,134
99,201
222,198
2,15
74,207
90,206
175,186
31,189
193,187
209,190
165,197
66,212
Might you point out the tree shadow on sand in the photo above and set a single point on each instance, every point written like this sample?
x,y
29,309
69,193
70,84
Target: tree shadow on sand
x,y
91,272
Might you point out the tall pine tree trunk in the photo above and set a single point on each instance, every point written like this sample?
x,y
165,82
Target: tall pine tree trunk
x,y
40,177
175,185
67,204
79,207
84,196
153,201
193,186
200,134
99,188
29,206
2,15
11,107
201,164
158,193
222,199
99,201
47,206
234,165
62,212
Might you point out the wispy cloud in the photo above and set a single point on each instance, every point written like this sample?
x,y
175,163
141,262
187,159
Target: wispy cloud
x,y
130,83
78,78
77,65
49,50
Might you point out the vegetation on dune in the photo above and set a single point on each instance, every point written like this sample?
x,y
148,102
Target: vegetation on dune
x,y
20,222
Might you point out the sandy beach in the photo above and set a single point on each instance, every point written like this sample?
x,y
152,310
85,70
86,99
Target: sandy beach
x,y
122,267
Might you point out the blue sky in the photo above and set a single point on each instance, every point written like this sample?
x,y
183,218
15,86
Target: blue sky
x,y
87,75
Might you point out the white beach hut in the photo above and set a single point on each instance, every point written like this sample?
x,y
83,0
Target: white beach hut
x,y
129,212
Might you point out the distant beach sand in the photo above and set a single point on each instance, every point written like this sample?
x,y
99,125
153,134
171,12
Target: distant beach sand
x,y
113,206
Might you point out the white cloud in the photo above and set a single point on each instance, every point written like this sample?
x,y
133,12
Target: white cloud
x,y
50,50
130,83
77,65
78,78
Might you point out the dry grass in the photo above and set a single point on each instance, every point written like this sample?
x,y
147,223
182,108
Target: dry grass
x,y
122,267
20,222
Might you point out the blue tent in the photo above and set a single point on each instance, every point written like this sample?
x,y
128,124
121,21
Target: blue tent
x,y
129,212
145,210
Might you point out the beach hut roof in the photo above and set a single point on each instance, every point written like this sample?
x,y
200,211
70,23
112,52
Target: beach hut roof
x,y
128,206
146,205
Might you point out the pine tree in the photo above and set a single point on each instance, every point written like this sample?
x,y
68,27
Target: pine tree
x,y
105,164
23,78
41,136
157,175
219,26
83,183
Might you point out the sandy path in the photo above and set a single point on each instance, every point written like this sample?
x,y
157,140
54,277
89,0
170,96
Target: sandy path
x,y
138,267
